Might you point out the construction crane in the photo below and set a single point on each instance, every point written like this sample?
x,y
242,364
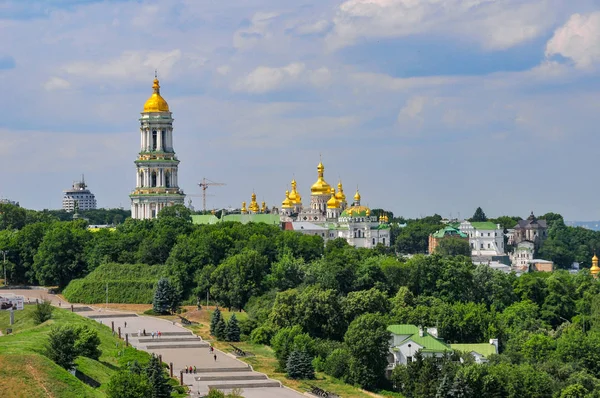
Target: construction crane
x,y
204,186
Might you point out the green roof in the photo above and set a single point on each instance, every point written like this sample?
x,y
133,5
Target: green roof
x,y
484,225
449,231
272,219
427,341
403,329
484,349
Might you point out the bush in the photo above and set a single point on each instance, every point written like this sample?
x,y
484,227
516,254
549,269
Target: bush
x,y
262,335
336,364
128,385
283,344
247,326
42,312
61,346
232,330
299,365
87,342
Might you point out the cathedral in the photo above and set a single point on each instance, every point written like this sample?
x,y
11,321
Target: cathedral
x,y
329,215
156,166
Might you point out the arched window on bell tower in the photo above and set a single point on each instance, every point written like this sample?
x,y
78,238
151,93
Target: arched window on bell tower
x,y
141,179
154,179
154,139
168,179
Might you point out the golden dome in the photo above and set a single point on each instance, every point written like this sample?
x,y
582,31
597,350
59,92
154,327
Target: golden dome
x,y
244,208
263,207
287,203
595,270
333,203
156,103
321,187
357,196
340,194
294,195
253,204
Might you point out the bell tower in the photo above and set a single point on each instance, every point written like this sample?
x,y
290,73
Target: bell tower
x,y
156,166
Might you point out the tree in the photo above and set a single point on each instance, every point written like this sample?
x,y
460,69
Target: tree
x,y
157,377
336,364
478,216
232,331
42,312
367,340
287,273
453,246
87,343
365,301
164,297
128,384
214,320
61,345
299,365
221,329
283,344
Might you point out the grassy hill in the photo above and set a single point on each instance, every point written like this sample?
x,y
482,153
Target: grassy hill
x,y
26,372
127,283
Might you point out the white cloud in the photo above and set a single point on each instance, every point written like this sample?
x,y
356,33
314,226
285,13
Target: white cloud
x,y
264,79
312,28
494,25
223,70
258,30
56,83
130,65
578,39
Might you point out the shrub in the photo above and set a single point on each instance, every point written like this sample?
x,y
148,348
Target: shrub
x,y
299,365
42,312
336,364
61,346
262,335
87,342
283,343
128,385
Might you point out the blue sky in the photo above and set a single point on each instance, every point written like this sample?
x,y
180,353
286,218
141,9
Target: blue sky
x,y
427,105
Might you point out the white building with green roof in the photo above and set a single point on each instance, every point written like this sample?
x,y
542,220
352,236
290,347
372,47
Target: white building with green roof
x,y
486,238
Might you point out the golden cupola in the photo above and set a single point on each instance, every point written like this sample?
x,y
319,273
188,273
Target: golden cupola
x,y
287,203
254,204
295,197
263,207
357,198
244,210
321,187
595,270
156,103
333,203
340,196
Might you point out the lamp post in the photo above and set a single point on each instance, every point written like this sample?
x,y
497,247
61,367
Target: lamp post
x,y
4,253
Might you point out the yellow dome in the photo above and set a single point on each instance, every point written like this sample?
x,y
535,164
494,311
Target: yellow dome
x,y
357,196
253,204
287,203
156,103
333,203
340,194
595,270
295,197
321,187
244,208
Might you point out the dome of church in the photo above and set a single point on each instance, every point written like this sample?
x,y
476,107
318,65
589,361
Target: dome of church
x,y
156,103
340,195
356,211
321,187
357,196
287,203
333,203
295,197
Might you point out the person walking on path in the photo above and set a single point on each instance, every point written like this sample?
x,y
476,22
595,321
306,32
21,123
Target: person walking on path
x,y
139,332
152,335
144,332
194,369
159,334
215,357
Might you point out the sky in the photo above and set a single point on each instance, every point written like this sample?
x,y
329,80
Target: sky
x,y
428,106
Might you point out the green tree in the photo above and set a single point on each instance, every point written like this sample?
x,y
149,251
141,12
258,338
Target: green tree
x,y
367,340
453,246
318,312
61,345
283,344
232,331
127,384
365,301
164,297
176,211
574,391
158,379
87,343
221,329
287,273
336,364
214,320
478,216
299,365
42,312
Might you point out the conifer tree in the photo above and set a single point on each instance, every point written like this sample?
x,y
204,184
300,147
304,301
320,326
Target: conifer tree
x,y
163,297
214,319
479,215
221,329
158,379
299,365
232,331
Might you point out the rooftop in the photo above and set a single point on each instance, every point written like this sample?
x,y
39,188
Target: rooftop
x,y
483,348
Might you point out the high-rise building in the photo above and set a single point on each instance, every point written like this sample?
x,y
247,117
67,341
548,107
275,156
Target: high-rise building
x,y
156,166
78,197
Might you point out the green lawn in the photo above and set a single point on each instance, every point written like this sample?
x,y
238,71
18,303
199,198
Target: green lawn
x,y
26,372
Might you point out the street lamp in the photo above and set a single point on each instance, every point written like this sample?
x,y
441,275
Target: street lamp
x,y
4,253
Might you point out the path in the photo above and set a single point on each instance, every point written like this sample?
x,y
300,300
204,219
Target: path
x,y
181,347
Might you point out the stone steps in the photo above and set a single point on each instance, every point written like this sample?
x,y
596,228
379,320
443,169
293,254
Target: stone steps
x,y
180,345
169,340
224,370
232,377
104,316
248,384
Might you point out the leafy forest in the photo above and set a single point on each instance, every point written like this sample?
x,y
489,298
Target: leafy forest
x,y
331,304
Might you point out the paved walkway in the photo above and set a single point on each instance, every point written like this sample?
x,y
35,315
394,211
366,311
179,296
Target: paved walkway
x,y
181,347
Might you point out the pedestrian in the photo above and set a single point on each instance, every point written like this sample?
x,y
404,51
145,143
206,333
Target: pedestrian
x,y
153,335
139,332
144,332
215,357
59,304
194,369
125,323
190,369
159,334
186,370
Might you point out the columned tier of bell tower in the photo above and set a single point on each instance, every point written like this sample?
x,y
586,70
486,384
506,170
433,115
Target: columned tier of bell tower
x,y
157,166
